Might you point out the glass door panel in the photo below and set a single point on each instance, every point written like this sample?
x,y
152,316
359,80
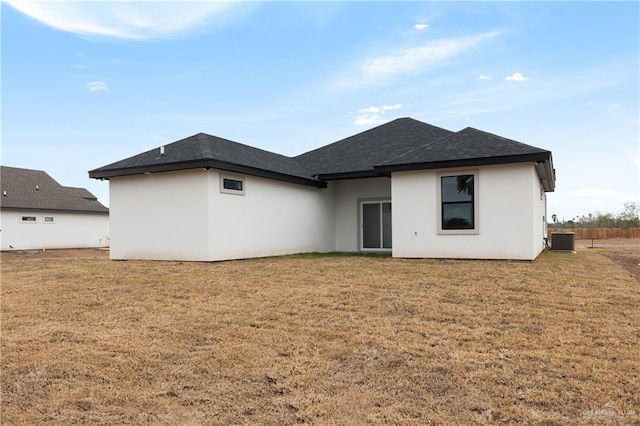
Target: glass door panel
x,y
386,225
370,225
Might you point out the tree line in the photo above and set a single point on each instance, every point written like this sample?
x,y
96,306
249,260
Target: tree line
x,y
629,217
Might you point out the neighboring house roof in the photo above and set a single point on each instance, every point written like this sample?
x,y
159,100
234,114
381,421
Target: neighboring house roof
x,y
208,151
402,144
27,189
357,155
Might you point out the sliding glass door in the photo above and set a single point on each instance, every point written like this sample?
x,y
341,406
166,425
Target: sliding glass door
x,y
375,221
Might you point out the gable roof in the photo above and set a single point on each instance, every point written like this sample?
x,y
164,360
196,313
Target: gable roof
x,y
357,155
206,151
28,189
402,144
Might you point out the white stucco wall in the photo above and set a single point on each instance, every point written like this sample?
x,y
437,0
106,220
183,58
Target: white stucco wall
x,y
68,230
509,215
183,215
161,216
348,194
271,218
539,217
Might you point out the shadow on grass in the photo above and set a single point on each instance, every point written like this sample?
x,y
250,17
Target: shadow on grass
x,y
318,255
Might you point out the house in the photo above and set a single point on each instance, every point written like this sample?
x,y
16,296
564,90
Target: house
x,y
405,187
36,212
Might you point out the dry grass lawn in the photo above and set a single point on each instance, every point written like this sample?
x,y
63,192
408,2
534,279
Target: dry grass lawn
x,y
317,339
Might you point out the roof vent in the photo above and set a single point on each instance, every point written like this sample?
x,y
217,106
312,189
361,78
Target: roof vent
x,y
4,193
161,150
37,187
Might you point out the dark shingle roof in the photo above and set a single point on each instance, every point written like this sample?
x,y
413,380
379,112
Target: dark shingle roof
x,y
473,147
35,190
467,144
357,155
402,144
208,151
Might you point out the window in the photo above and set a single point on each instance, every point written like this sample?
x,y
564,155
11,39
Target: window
x,y
230,185
48,219
458,206
28,219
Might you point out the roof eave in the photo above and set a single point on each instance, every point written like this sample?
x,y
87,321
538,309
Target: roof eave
x,y
466,162
547,174
362,174
13,208
204,164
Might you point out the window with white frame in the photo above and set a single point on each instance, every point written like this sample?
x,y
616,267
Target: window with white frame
x,y
49,219
458,203
28,219
231,185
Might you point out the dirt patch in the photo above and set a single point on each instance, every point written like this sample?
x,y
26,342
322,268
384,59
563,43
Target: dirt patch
x,y
629,260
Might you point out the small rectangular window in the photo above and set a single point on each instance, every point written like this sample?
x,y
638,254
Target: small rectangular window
x,y
28,219
48,219
234,185
231,185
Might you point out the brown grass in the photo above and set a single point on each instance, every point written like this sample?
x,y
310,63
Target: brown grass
x,y
320,339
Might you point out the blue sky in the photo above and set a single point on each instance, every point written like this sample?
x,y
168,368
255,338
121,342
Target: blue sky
x,y
85,84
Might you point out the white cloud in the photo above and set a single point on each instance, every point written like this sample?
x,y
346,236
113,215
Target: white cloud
x,y
97,86
516,76
484,77
123,18
373,114
380,69
421,27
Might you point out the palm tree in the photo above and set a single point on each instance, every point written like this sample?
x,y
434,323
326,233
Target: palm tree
x,y
464,184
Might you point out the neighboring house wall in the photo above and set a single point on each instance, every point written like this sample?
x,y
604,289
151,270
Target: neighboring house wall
x,y
349,193
271,218
59,230
509,217
184,215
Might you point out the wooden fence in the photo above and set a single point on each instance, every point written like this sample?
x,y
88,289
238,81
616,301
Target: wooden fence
x,y
599,233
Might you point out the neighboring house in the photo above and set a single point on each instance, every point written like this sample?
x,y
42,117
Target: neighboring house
x,y
36,212
405,187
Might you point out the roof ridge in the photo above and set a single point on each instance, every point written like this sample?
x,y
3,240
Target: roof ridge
x,y
205,145
436,140
372,129
500,137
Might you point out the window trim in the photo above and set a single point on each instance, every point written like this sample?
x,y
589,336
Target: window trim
x,y
476,203
53,220
225,177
